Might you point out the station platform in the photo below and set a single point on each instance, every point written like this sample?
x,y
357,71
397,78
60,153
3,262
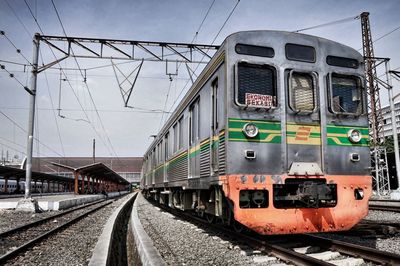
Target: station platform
x,y
59,202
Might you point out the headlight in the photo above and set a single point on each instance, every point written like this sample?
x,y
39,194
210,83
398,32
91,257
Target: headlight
x,y
250,130
354,135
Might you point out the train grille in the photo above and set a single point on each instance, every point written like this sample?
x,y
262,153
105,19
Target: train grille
x,y
221,155
205,161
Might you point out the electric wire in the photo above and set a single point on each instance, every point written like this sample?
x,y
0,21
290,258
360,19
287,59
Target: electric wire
x,y
223,25
24,130
12,148
54,113
329,23
202,22
140,110
14,63
47,82
34,17
383,36
18,18
69,83
165,105
86,86
11,75
16,48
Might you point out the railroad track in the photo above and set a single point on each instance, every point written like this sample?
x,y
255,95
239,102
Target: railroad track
x,y
304,249
19,239
381,207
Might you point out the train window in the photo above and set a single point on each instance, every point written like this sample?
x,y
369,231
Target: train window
x,y
256,85
301,92
254,50
342,61
180,133
175,129
166,149
345,94
194,121
299,52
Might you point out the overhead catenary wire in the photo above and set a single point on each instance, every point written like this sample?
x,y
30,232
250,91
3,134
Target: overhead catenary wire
x,y
24,130
3,33
329,23
34,17
130,110
383,36
165,104
11,75
18,18
215,38
86,85
202,22
54,113
69,83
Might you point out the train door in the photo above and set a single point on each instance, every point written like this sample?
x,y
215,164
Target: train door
x,y
303,124
194,146
214,127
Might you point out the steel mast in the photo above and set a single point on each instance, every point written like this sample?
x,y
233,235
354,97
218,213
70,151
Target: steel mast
x,y
378,154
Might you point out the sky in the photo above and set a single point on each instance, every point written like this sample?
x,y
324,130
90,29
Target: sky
x,y
121,131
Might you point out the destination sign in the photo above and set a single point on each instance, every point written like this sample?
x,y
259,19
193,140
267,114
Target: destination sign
x,y
260,100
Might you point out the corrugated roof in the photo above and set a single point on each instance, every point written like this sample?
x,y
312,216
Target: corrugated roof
x,y
14,173
121,164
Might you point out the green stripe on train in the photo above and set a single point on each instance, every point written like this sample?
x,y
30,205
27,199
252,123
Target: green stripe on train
x,y
337,136
273,136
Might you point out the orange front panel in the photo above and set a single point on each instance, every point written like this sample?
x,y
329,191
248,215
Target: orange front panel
x,y
343,216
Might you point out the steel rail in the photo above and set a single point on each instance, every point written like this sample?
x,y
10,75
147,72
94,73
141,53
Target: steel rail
x,y
267,248
11,254
370,254
288,255
385,208
32,224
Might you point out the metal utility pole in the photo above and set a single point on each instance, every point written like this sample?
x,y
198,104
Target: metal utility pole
x,y
379,161
32,102
394,122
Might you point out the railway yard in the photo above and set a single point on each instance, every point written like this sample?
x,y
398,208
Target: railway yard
x,y
268,139
175,238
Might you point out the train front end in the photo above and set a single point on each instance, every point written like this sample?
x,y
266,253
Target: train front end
x,y
298,157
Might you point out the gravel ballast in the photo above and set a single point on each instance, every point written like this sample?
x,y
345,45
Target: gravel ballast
x,y
72,246
388,243
183,243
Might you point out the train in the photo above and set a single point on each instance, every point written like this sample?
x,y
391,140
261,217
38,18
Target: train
x,y
14,188
272,136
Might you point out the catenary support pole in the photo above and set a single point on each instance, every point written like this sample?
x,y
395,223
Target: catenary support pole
x,y
32,101
394,194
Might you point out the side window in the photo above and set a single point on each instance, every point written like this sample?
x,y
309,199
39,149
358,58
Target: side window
x,y
176,137
166,148
256,85
194,121
301,92
345,94
180,133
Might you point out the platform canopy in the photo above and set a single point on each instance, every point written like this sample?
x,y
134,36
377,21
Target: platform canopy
x,y
16,173
101,171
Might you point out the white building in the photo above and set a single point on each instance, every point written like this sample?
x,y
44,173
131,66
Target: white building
x,y
387,120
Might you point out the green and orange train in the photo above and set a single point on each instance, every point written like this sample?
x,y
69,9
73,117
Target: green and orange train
x,y
272,136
